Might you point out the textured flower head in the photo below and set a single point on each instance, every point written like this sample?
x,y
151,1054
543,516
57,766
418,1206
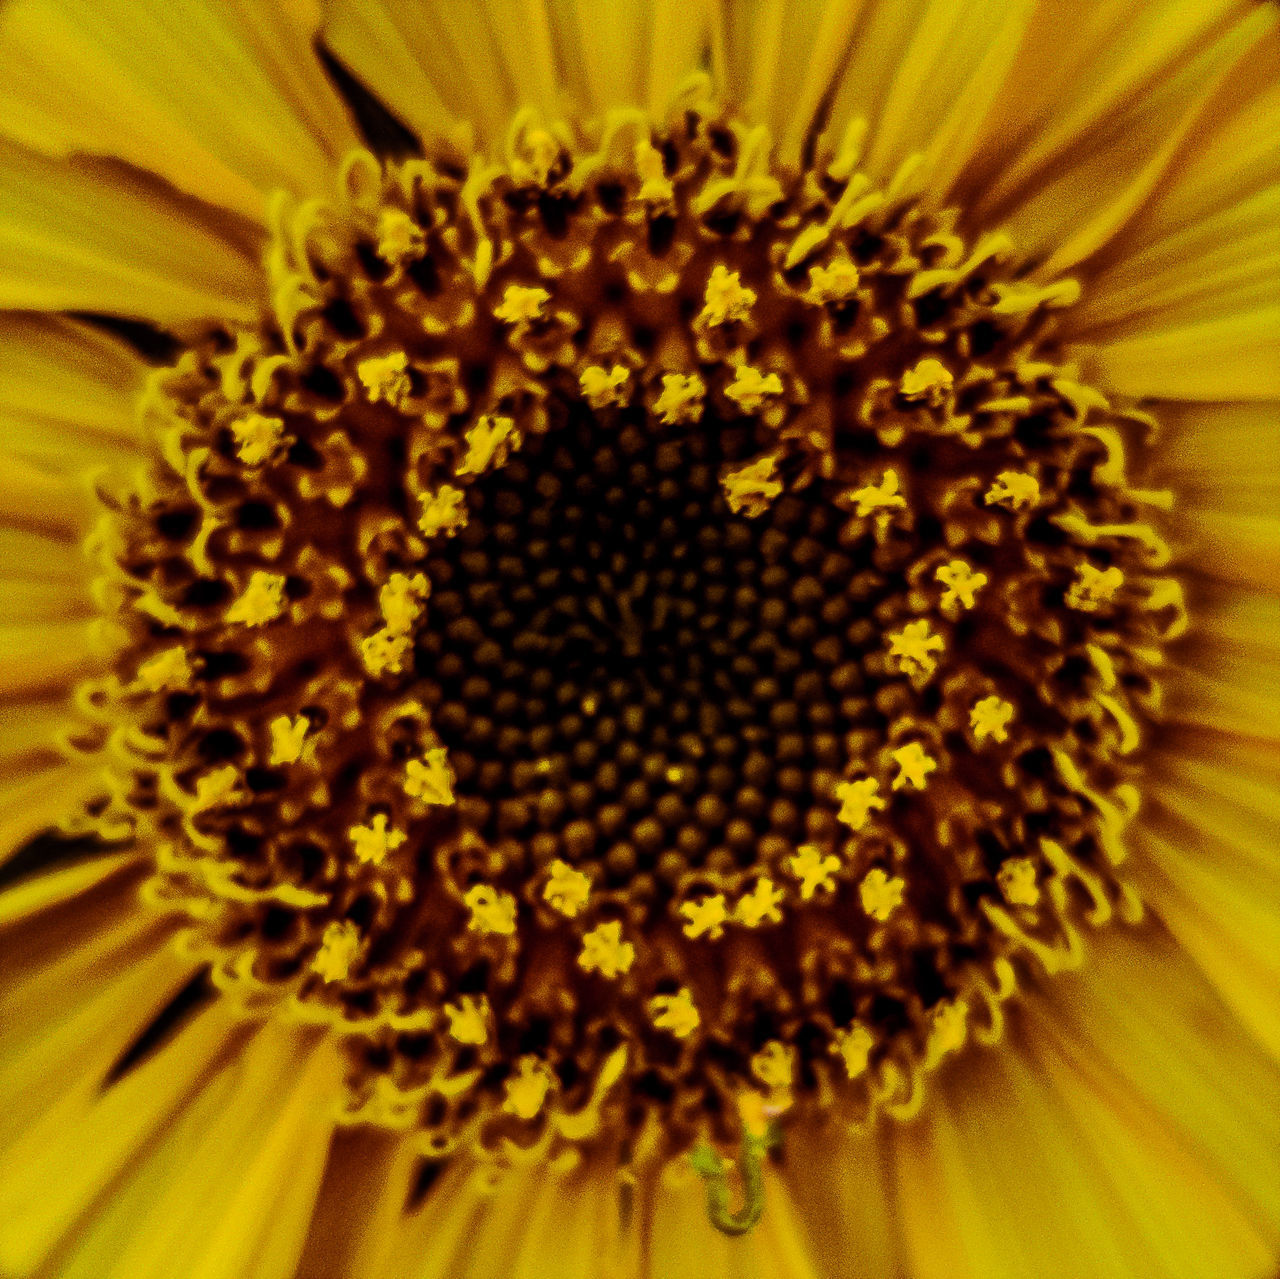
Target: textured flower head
x,y
650,632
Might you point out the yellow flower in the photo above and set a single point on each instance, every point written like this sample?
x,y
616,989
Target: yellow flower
x,y
311,308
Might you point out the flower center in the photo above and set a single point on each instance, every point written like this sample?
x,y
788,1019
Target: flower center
x,y
637,643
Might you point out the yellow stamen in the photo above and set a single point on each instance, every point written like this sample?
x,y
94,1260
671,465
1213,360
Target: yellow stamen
x,y
750,490
373,843
400,601
489,443
400,238
854,1043
750,388
385,651
990,718
261,602
681,398
914,766
655,186
218,787
858,800
881,893
912,649
877,497
675,1013
288,734
727,299
929,381
1017,880
429,778
948,1028
541,152
1013,489
815,871
775,1066
705,917
605,952
567,889
835,283
257,437
338,948
492,911
760,904
468,1020
961,583
168,669
386,378
443,511
1093,588
604,387
521,305
527,1089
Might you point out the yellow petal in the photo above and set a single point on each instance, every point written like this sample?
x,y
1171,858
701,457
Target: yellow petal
x,y
225,101
67,394
90,235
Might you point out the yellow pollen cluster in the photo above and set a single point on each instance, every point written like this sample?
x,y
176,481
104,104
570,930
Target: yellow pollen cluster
x,y
444,511
815,871
527,1089
775,1066
170,668
541,152
914,766
400,600
521,305
655,186
385,651
929,381
262,601
604,951
877,498
257,436
386,378
288,736
429,779
492,911
469,1020
705,917
1013,489
881,894
489,443
675,1013
750,388
680,401
760,905
338,948
727,300
1017,880
837,282
373,842
750,489
221,786
913,649
603,387
858,800
990,719
1094,587
961,582
566,889
853,1044
948,1028
400,238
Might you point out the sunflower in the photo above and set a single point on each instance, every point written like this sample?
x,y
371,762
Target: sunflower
x,y
640,639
